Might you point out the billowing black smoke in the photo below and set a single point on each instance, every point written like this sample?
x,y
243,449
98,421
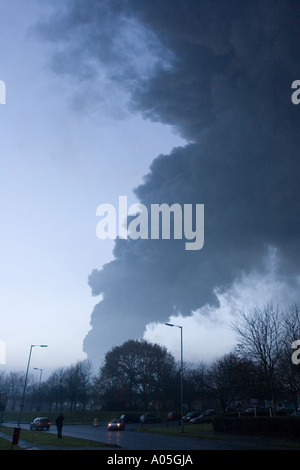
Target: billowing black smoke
x,y
221,74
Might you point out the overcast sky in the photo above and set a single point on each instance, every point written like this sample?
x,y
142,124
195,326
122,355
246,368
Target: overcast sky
x,y
182,101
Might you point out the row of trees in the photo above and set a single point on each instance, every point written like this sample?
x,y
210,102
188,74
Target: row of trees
x,y
143,375
71,385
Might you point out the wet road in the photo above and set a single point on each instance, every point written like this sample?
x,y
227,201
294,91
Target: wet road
x,y
131,439
134,440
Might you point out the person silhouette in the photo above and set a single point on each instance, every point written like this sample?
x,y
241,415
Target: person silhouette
x,y
59,424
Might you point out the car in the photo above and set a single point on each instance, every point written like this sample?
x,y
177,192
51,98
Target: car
x,y
296,413
210,412
258,411
192,414
150,418
116,424
173,416
205,417
130,418
40,423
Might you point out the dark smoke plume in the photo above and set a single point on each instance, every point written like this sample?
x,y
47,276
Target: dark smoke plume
x,y
220,73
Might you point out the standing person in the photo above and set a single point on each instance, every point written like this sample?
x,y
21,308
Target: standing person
x,y
59,424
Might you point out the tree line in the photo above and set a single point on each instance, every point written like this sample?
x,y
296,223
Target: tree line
x,y
142,375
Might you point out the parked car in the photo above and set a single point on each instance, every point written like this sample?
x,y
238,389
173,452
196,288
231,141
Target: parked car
x,y
192,414
260,411
40,423
116,425
210,412
205,417
296,413
130,418
174,416
150,418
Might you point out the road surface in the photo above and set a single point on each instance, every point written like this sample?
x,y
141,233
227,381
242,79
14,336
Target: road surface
x,y
130,439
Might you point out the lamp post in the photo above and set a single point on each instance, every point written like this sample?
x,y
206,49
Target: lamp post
x,y
181,375
26,376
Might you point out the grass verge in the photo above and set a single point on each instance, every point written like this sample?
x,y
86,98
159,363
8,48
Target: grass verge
x,y
204,430
44,438
6,445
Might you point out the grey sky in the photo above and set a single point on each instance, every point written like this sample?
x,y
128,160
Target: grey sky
x,y
57,164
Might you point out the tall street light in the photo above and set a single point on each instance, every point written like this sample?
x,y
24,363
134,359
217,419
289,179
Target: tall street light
x,y
26,376
181,375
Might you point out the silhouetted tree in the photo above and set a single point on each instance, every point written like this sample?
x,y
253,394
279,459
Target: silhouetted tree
x,y
77,379
136,370
227,379
260,333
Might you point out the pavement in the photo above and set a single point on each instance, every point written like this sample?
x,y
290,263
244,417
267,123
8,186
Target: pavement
x,y
23,444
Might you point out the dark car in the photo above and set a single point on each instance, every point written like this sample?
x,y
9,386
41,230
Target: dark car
x,y
116,425
205,417
150,418
191,415
130,418
259,411
173,416
40,423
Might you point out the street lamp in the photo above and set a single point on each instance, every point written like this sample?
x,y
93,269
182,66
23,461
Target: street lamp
x,y
181,375
25,383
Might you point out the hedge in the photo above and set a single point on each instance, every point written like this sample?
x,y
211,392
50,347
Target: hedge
x,y
260,426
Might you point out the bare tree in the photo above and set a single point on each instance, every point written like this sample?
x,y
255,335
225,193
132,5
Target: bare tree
x,y
260,333
78,378
291,319
194,383
229,379
56,388
13,387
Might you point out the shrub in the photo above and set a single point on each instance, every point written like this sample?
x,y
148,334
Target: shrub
x,y
262,426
